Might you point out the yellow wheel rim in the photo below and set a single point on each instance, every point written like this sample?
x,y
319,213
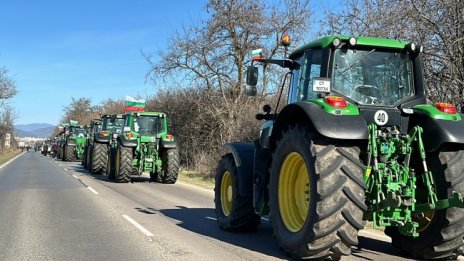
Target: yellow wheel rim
x,y
293,192
226,193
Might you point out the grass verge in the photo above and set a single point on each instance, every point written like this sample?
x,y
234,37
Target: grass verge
x,y
198,179
6,155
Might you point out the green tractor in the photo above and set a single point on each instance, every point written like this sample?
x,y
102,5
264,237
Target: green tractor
x,y
74,140
355,143
99,143
145,147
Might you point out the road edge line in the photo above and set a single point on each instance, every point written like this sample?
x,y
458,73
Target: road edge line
x,y
8,162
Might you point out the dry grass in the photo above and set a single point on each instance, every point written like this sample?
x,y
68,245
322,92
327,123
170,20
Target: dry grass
x,y
196,178
6,155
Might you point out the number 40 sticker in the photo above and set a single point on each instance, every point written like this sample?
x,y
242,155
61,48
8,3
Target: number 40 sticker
x,y
381,117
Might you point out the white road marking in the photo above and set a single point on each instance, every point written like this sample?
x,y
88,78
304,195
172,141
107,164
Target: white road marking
x,y
8,162
93,190
137,225
66,169
76,177
211,218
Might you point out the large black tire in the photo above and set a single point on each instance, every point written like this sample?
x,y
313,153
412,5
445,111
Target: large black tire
x,y
99,158
69,153
84,157
110,169
442,236
327,174
123,164
170,167
234,212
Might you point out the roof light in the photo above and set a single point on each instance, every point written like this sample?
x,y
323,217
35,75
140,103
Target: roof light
x,y
446,107
336,102
412,47
336,42
352,41
421,48
286,40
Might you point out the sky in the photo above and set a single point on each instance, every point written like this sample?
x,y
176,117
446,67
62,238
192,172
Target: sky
x,y
55,50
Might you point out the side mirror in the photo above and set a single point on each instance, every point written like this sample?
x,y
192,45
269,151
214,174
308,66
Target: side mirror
x,y
251,80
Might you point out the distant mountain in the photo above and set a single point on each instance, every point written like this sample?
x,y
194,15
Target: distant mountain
x,y
40,130
32,126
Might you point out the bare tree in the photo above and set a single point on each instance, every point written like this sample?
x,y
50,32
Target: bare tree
x,y
206,64
80,110
7,91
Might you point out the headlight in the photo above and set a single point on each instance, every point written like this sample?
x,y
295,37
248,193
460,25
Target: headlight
x,y
352,41
336,42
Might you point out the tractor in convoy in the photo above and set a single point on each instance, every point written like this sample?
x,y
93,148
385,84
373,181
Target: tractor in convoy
x,y
356,142
94,127
73,140
145,146
99,142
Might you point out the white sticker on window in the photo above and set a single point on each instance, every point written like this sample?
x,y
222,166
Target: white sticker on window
x,y
321,84
381,117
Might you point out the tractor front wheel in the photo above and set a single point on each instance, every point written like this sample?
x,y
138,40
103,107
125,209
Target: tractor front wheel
x,y
110,168
441,231
123,164
234,211
316,195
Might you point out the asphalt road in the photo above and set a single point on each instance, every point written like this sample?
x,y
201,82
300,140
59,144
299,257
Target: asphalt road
x,y
54,210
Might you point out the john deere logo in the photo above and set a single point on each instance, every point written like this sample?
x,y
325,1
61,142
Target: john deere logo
x,y
381,117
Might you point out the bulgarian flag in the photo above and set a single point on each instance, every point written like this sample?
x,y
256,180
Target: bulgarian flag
x,y
257,54
132,104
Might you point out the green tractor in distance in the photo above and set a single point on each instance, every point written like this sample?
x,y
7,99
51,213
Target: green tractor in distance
x,y
146,147
99,144
74,141
356,142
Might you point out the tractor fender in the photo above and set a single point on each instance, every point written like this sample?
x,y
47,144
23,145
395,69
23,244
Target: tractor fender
x,y
438,131
127,143
346,127
243,154
165,144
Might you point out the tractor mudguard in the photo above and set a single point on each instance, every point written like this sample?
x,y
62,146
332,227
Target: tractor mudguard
x,y
127,142
168,144
243,154
349,127
437,131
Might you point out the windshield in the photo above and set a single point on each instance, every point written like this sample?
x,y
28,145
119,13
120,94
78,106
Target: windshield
x,y
148,125
372,77
115,124
78,132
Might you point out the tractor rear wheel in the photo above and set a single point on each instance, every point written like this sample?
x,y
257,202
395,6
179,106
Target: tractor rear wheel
x,y
316,195
170,167
234,211
441,231
123,164
69,153
99,158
